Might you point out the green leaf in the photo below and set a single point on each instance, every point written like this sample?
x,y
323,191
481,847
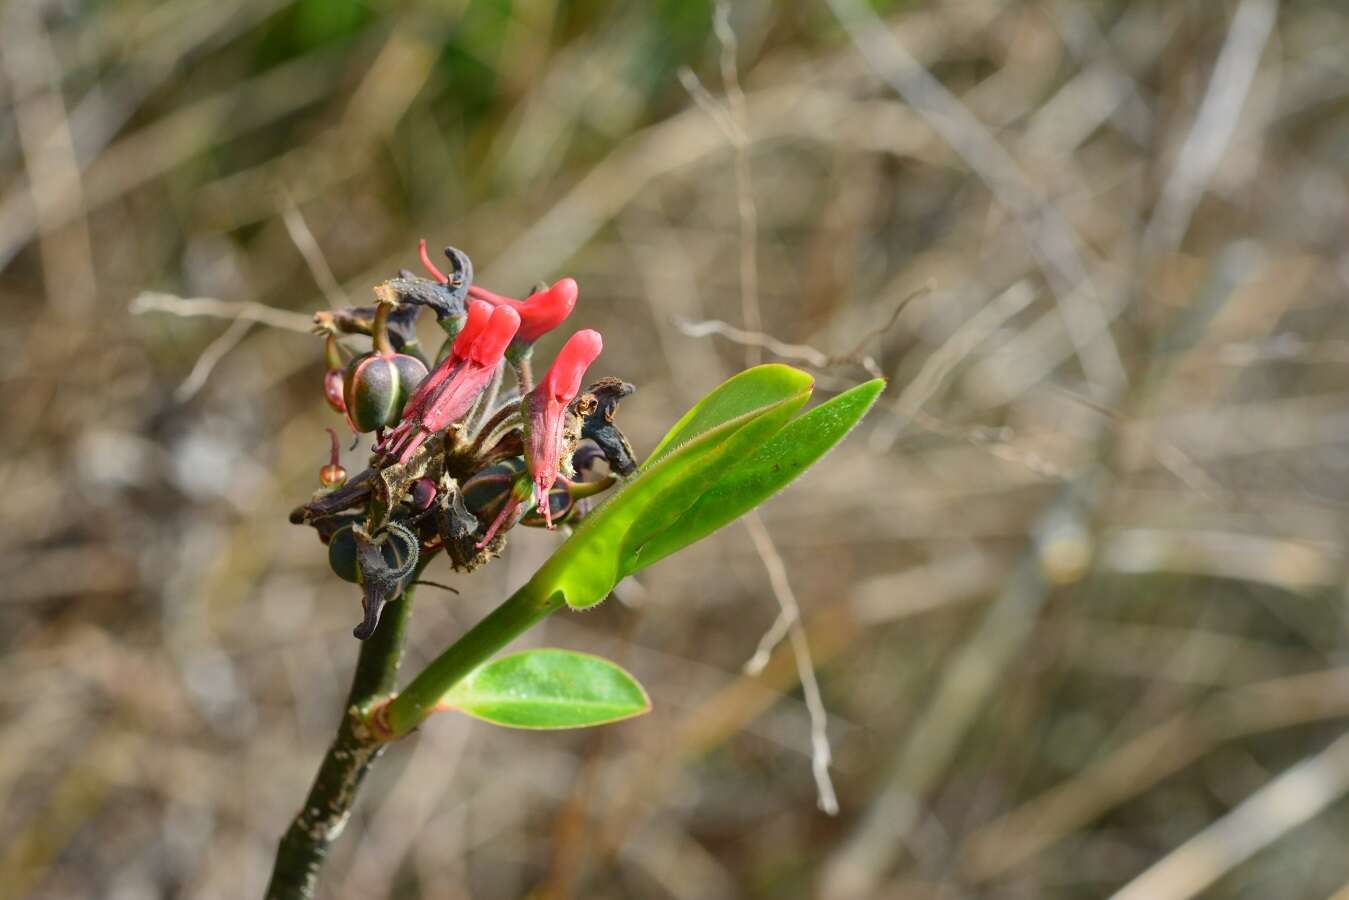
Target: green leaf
x,y
772,467
740,394
549,689
604,547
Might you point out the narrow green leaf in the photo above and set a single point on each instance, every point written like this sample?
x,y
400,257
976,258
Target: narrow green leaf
x,y
603,548
549,689
771,468
740,394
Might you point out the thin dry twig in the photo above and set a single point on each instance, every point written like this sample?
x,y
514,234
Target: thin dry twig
x,y
211,308
309,248
1051,238
731,118
945,358
1295,796
1214,125
734,123
744,185
789,622
803,353
211,357
44,132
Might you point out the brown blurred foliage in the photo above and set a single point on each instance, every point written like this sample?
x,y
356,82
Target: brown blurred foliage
x,y
1075,591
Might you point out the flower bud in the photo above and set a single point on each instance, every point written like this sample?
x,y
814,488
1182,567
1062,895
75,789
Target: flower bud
x,y
333,475
422,493
332,378
332,390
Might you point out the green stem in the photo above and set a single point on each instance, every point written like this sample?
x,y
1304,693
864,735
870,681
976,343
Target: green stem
x,y
379,330
519,358
520,612
332,353
305,844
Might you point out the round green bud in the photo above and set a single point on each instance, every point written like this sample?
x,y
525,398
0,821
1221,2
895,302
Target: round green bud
x,y
377,387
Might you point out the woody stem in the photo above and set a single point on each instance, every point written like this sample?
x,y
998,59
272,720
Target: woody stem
x,y
304,847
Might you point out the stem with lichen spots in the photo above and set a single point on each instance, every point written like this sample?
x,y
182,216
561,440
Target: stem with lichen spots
x,y
304,847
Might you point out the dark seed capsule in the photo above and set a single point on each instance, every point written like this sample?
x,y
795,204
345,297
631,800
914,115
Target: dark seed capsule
x,y
342,553
586,455
564,500
486,492
561,504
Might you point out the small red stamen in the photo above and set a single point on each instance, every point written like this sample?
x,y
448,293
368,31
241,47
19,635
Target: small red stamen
x,y
430,266
507,510
335,457
481,293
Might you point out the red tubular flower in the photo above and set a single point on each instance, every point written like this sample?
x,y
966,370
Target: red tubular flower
x,y
466,372
540,312
543,410
478,314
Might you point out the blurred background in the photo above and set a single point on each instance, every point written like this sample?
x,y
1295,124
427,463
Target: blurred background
x,y
1075,591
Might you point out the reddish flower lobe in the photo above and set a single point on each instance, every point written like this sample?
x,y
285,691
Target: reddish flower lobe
x,y
540,312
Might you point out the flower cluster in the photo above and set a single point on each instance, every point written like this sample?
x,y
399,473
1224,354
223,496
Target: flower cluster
x,y
459,456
